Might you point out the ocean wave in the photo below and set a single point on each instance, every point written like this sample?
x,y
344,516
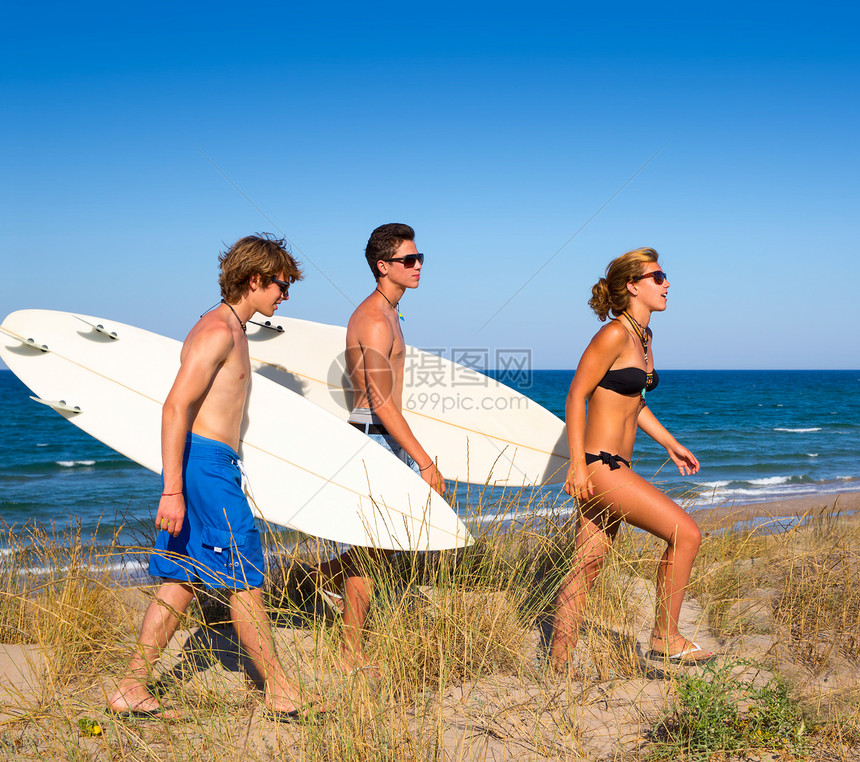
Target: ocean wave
x,y
764,481
746,493
768,481
526,513
812,455
46,468
800,431
120,571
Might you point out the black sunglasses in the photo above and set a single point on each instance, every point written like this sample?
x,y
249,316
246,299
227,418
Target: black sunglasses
x,y
409,260
283,285
658,275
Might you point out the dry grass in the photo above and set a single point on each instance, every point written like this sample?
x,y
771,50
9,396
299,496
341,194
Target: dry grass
x,y
72,605
461,638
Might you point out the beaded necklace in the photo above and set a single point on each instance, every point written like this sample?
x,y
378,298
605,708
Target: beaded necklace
x,y
642,334
395,307
244,327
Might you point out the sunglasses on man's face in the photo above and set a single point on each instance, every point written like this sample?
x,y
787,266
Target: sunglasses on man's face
x,y
283,285
658,275
409,260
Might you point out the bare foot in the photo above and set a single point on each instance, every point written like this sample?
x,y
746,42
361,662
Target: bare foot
x,y
352,662
310,713
576,667
134,700
285,703
283,696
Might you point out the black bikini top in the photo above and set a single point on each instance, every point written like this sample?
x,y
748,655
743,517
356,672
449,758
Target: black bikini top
x,y
629,381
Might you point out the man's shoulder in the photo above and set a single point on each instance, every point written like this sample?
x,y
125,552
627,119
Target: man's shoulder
x,y
368,318
212,333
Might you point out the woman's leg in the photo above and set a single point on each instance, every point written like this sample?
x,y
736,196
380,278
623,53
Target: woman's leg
x,y
596,529
630,497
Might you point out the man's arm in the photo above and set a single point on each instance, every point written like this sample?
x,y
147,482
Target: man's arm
x,y
203,355
376,342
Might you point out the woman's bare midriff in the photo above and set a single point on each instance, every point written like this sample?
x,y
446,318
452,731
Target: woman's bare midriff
x,y
611,423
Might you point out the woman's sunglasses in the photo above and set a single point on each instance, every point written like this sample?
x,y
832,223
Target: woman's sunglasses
x,y
658,275
409,260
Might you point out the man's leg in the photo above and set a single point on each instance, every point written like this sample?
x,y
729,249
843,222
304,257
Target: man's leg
x,y
349,573
353,568
357,591
255,634
159,624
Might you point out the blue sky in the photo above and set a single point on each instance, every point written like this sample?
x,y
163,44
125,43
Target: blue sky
x,y
527,146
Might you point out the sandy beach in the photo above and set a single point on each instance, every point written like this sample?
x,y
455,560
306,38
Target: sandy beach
x,y
722,516
501,703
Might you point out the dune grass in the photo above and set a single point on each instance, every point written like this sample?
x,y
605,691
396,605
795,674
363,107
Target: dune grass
x,y
460,637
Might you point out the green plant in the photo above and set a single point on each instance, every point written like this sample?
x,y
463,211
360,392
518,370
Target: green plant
x,y
724,709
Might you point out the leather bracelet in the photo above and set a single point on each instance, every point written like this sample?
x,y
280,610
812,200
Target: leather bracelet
x,y
426,467
171,494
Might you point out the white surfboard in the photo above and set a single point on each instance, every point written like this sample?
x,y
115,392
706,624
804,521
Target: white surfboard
x,y
480,430
307,470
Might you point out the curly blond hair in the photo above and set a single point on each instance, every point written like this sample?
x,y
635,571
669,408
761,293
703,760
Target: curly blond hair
x,y
262,254
610,294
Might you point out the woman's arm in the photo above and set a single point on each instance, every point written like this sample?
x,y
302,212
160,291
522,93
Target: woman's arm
x,y
681,456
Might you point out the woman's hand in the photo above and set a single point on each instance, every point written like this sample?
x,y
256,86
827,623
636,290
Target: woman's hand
x,y
684,459
578,483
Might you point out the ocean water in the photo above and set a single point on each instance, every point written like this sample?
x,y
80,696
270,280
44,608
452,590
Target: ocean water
x,y
53,473
759,435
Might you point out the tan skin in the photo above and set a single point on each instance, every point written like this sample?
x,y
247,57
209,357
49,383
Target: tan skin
x,y
376,354
608,496
375,359
208,398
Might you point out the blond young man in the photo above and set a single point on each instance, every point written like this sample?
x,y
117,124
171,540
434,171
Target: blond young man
x,y
207,534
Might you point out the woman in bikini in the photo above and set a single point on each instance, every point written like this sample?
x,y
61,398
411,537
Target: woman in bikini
x,y
615,371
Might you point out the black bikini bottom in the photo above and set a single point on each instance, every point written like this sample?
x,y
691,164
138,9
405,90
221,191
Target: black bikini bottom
x,y
610,460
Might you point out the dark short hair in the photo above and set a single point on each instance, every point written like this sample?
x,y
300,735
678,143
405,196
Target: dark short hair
x,y
384,242
262,254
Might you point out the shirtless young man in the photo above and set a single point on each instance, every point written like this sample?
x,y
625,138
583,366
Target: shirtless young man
x,y
207,534
375,359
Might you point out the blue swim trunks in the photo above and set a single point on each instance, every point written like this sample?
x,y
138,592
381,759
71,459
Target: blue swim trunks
x,y
219,545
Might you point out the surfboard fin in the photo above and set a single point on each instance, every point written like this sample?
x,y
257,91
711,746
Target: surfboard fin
x,y
98,328
57,405
26,342
268,324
